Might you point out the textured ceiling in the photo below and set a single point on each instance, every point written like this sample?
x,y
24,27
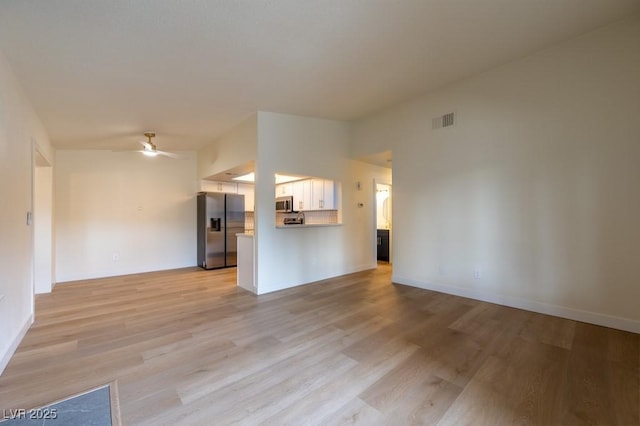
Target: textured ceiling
x,y
99,73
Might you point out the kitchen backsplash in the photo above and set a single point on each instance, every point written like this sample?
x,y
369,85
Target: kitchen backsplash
x,y
249,221
312,217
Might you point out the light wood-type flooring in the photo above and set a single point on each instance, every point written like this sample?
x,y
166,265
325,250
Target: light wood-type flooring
x,y
188,347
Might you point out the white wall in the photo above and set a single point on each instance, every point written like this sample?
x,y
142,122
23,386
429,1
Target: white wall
x,y
43,229
236,148
536,187
20,128
320,148
383,206
141,209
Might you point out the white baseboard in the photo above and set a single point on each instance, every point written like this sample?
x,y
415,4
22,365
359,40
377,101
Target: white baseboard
x,y
6,357
528,305
346,271
360,268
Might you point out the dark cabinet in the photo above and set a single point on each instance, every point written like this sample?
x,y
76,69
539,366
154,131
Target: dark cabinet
x,y
383,245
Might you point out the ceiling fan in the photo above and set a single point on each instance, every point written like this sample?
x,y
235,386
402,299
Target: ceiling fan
x,y
150,149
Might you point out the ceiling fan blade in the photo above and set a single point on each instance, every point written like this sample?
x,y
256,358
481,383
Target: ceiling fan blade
x,y
169,154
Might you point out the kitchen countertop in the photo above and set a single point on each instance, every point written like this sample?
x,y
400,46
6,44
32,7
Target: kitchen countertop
x,y
309,225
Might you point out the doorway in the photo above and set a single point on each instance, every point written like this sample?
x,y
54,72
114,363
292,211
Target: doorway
x,y
384,220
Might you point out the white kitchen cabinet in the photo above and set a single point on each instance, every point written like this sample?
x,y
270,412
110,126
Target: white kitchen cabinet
x,y
208,186
231,187
284,189
309,194
329,197
302,195
248,191
214,186
322,194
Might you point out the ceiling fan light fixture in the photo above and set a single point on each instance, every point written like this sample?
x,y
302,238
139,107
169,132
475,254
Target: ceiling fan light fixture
x,y
150,150
149,147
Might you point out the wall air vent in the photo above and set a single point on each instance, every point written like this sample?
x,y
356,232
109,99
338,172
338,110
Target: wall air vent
x,y
446,120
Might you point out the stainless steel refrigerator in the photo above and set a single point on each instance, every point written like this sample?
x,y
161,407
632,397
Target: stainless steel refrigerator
x,y
220,218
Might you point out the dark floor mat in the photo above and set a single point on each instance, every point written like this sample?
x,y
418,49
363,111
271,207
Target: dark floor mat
x,y
90,408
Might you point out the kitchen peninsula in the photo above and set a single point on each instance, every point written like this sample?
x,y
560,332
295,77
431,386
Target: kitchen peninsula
x,y
246,268
301,202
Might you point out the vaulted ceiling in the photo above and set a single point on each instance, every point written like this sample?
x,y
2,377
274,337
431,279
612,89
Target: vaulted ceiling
x,y
99,73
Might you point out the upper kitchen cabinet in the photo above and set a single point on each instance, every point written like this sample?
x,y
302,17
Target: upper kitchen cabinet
x,y
322,194
248,191
302,195
213,186
309,193
284,189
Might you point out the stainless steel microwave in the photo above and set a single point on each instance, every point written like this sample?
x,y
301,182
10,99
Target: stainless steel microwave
x,y
284,204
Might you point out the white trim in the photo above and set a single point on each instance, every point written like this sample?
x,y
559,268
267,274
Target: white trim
x,y
6,357
596,318
42,152
347,271
58,401
359,268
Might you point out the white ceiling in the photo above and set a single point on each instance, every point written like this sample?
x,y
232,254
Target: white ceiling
x,y
99,73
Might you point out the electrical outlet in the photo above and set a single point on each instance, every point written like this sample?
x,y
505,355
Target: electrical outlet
x,y
476,274
115,257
